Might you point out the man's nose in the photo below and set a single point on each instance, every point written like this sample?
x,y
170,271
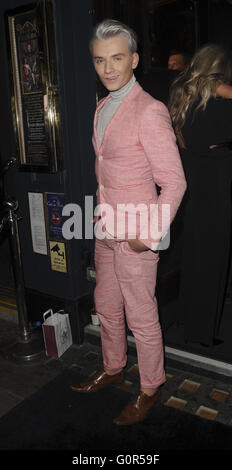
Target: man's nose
x,y
108,66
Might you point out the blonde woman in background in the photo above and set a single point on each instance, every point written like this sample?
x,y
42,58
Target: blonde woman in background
x,y
201,111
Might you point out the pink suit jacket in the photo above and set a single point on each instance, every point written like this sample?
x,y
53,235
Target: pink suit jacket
x,y
139,151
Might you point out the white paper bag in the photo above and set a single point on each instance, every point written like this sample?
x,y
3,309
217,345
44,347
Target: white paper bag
x,y
57,333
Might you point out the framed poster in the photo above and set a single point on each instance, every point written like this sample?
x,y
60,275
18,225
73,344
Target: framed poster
x,y
54,203
35,95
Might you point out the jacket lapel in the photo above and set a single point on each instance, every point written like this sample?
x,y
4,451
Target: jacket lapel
x,y
99,106
125,106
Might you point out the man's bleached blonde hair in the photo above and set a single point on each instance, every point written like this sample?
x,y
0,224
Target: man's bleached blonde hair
x,y
110,28
210,65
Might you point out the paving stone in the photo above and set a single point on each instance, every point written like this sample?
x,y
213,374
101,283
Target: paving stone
x,y
219,395
126,385
207,413
134,370
175,402
169,377
189,386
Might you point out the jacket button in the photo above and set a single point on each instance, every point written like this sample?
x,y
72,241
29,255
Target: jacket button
x,y
101,186
100,157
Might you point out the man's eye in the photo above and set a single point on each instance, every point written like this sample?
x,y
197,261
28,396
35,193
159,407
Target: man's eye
x,y
99,61
117,58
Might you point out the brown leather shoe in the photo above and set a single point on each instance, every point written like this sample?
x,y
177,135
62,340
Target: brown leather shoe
x,y
137,409
100,380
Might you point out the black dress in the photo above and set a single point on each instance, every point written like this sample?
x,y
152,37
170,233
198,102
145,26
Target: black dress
x,y
207,219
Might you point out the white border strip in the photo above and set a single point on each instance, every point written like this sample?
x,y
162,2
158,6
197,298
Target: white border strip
x,y
199,361
196,360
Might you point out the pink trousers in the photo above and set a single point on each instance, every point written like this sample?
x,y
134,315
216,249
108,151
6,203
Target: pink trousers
x,y
125,282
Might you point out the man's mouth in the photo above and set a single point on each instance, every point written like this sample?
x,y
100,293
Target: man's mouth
x,y
111,79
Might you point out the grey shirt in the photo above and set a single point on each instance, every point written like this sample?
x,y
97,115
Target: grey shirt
x,y
110,107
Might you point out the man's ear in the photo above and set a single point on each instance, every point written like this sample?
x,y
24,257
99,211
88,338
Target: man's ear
x,y
135,60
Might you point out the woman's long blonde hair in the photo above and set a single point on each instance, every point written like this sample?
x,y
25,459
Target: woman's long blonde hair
x,y
209,66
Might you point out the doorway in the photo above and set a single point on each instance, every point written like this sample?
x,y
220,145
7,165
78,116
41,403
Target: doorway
x,y
163,25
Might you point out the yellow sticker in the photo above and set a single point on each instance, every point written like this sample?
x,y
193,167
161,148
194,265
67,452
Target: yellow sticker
x,y
58,256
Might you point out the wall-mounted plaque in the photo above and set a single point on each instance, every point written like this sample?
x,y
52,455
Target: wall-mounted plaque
x,y
35,96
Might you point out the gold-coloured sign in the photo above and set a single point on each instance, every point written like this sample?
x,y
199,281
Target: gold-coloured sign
x,y
35,97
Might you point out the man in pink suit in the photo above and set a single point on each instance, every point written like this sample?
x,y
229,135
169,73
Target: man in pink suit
x,y
135,149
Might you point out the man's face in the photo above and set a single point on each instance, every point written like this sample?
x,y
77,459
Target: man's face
x,y
113,62
176,62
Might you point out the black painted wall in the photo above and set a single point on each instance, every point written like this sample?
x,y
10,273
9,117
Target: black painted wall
x,y
73,26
